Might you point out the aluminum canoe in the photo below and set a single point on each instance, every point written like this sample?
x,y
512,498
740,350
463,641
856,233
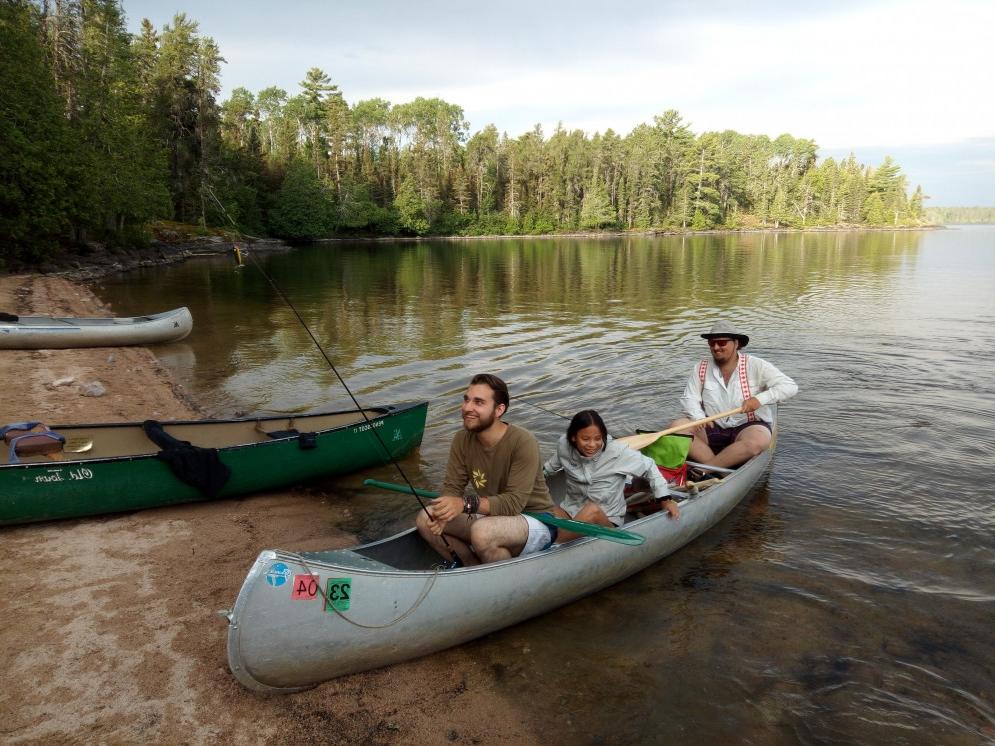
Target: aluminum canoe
x,y
304,618
60,332
121,468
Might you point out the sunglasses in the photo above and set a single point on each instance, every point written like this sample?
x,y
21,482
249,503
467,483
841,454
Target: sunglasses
x,y
718,342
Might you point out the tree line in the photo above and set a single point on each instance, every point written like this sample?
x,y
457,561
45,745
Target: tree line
x,y
103,132
961,215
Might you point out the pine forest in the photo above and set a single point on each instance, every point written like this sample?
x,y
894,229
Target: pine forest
x,y
104,132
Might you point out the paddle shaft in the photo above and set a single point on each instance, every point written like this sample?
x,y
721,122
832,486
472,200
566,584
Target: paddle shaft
x,y
578,527
641,440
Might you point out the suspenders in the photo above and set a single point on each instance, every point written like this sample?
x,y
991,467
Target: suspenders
x,y
744,381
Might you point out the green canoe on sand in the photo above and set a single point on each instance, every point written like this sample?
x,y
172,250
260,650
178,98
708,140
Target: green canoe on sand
x,y
107,468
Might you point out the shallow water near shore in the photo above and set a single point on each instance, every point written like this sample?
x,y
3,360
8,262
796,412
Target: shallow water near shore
x,y
849,598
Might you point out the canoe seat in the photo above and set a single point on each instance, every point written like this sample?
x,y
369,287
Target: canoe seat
x,y
306,441
289,432
30,439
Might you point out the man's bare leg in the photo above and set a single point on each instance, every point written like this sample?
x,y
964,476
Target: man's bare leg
x,y
499,537
752,441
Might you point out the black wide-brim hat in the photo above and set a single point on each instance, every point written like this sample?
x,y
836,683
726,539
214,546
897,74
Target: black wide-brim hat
x,y
725,329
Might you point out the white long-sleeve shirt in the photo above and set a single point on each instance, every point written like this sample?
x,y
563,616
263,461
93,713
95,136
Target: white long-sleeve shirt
x,y
714,395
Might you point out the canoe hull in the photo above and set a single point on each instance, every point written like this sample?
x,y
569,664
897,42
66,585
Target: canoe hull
x,y
51,332
277,643
45,490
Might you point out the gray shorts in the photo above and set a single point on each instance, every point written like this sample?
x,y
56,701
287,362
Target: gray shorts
x,y
541,536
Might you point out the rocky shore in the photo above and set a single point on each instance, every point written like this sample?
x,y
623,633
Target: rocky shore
x,y
92,261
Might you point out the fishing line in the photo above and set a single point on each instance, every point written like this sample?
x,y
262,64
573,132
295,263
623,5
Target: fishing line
x,y
456,562
522,399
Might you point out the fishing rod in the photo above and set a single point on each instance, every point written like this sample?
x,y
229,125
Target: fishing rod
x,y
455,561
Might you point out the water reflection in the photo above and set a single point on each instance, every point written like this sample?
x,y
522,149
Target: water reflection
x,y
414,316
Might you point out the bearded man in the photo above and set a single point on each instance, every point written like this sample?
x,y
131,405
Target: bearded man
x,y
500,464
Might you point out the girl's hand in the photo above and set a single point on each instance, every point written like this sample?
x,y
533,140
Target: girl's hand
x,y
671,507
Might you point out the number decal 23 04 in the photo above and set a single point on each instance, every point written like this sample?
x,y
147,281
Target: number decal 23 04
x,y
338,593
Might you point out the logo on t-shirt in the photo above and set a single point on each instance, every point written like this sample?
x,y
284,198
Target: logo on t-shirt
x,y
479,479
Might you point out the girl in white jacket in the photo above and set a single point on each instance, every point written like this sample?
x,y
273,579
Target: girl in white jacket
x,y
596,469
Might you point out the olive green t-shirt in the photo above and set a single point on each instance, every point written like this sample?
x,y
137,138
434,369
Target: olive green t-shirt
x,y
508,474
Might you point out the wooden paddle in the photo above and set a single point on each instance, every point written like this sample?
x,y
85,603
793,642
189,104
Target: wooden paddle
x,y
578,527
641,440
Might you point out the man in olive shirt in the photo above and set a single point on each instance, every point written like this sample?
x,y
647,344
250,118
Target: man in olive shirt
x,y
501,463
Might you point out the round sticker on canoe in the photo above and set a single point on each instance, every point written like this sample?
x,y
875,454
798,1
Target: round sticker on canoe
x,y
278,574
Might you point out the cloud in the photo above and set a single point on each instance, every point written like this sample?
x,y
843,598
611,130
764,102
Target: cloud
x,y
849,74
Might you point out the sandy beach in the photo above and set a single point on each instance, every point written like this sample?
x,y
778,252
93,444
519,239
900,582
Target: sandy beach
x,y
110,624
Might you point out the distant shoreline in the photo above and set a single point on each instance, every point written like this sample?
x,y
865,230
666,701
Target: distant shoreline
x,y
641,234
97,261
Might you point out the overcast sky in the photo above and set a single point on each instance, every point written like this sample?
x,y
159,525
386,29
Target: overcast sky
x,y
910,78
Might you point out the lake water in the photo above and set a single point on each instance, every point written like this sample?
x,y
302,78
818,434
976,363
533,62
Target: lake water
x,y
849,599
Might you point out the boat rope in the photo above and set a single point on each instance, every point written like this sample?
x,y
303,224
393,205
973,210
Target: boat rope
x,y
455,561
417,602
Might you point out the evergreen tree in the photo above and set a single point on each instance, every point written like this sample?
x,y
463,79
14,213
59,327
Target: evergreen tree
x,y
33,136
874,212
411,209
303,207
121,184
596,209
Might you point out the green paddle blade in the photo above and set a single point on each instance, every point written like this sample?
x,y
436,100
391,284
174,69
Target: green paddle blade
x,y
578,527
590,529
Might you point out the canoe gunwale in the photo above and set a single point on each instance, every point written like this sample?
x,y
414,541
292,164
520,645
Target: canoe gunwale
x,y
574,545
385,412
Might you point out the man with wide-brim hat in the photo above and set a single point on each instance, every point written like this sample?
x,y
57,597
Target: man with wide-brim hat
x,y
727,380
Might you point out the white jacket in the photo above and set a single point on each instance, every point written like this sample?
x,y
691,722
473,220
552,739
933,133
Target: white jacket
x,y
601,478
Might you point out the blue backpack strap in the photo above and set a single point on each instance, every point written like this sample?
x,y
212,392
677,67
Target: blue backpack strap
x,y
12,454
18,426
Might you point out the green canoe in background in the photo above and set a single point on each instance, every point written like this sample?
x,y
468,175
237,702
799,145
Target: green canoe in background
x,y
107,468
